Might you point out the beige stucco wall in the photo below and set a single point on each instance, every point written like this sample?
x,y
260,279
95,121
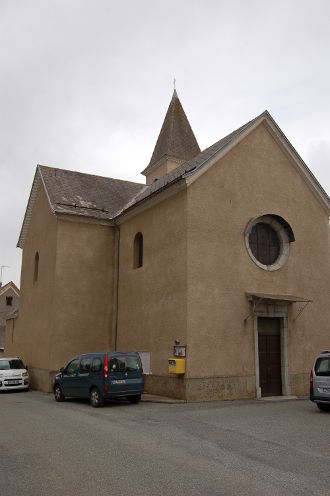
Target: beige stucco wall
x,y
83,297
193,282
152,298
34,326
254,178
68,310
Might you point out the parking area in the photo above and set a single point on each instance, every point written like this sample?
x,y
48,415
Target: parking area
x,y
219,448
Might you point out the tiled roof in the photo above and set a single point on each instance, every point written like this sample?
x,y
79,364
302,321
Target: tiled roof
x,y
86,195
176,138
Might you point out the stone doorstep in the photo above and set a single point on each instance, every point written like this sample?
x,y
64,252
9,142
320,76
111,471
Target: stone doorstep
x,y
279,398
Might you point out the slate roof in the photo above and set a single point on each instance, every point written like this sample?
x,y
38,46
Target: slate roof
x,y
176,138
191,165
85,194
104,198
196,163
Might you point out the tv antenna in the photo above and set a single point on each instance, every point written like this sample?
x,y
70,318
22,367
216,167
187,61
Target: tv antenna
x,y
1,270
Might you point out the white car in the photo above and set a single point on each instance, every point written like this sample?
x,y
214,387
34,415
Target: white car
x,y
13,374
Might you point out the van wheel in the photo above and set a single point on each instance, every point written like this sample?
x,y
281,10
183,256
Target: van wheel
x,y
95,398
323,407
58,393
134,399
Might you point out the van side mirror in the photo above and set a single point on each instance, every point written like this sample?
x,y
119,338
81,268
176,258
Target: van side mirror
x,y
62,370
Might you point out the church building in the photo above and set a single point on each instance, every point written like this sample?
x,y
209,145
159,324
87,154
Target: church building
x,y
224,251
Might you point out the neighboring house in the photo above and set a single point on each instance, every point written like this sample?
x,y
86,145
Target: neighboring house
x,y
9,298
225,251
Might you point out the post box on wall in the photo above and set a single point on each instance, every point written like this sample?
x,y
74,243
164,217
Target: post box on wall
x,y
177,364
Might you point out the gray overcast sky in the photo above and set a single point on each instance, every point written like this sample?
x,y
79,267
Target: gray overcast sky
x,y
85,84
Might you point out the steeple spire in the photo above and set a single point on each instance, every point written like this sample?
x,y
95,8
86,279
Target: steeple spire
x,y
176,142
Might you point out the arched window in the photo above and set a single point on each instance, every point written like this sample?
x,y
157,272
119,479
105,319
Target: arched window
x,y
36,267
138,251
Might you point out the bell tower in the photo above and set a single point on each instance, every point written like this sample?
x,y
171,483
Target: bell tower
x,y
176,143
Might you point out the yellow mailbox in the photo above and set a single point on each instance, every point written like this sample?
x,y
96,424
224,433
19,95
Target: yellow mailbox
x,y
176,365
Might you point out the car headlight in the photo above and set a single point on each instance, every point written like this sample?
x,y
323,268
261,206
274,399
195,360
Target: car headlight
x,y
25,374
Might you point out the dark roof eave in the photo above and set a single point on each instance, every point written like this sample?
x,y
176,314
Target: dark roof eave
x,y
82,216
152,195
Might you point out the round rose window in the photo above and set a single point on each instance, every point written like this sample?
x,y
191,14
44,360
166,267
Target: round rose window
x,y
267,240
264,243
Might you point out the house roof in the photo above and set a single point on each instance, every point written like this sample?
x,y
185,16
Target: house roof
x,y
103,198
188,166
200,161
80,194
12,315
85,194
9,285
176,138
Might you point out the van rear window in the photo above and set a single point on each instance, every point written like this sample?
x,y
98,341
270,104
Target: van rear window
x,y
322,366
125,364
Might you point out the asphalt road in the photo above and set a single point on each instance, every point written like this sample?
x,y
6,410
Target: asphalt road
x,y
219,448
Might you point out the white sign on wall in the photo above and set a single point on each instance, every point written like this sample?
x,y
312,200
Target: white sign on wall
x,y
145,359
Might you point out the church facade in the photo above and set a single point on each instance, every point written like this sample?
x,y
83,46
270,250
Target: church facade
x,y
225,251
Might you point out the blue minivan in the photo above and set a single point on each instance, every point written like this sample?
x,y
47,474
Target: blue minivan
x,y
100,376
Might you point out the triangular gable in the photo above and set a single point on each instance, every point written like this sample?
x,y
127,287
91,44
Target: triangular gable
x,y
9,285
85,196
198,166
37,181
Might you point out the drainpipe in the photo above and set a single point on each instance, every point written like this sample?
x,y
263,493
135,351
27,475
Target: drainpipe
x,y
116,287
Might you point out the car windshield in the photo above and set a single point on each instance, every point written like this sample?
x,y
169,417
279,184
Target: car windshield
x,y
11,364
322,366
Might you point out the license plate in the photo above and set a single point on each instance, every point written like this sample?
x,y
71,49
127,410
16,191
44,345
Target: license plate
x,y
121,381
13,382
326,390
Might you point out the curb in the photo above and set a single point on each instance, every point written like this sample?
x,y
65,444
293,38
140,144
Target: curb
x,y
153,398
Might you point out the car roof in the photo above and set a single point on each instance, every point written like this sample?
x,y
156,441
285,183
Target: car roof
x,y
102,353
10,358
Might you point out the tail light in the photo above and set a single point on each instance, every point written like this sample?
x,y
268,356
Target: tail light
x,y
311,379
141,366
105,368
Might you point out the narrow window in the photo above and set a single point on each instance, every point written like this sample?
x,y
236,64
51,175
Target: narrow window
x,y
138,251
36,267
9,301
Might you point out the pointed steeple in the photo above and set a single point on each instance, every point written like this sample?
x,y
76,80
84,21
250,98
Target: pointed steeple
x,y
176,142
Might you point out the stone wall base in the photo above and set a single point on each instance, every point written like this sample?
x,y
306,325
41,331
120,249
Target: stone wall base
x,y
300,384
41,379
201,389
194,389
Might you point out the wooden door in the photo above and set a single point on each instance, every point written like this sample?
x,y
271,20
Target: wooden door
x,y
269,344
